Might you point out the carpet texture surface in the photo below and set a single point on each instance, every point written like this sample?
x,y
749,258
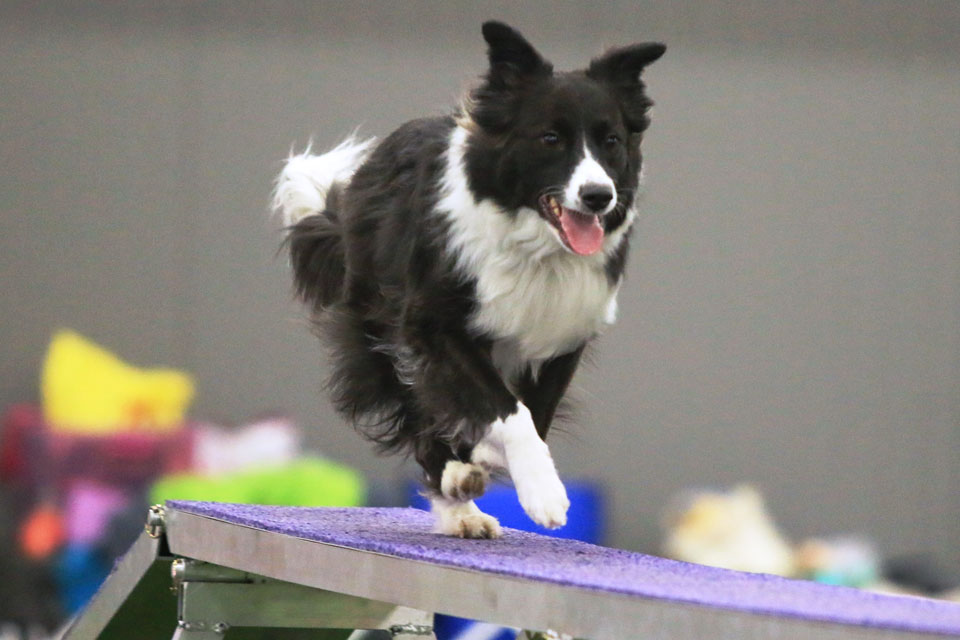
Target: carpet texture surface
x,y
407,533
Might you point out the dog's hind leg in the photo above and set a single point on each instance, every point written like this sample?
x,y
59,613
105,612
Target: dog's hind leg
x,y
463,519
455,511
451,487
463,480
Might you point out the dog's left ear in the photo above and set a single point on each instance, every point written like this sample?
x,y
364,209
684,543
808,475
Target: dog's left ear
x,y
512,59
621,69
624,64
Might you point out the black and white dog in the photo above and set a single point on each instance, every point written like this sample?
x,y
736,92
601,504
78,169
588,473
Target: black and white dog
x,y
458,268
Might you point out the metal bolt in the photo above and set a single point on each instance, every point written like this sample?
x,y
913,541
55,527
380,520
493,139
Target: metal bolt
x,y
155,520
549,634
177,569
199,625
410,630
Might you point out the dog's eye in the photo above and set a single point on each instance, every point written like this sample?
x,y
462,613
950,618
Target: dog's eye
x,y
550,138
612,140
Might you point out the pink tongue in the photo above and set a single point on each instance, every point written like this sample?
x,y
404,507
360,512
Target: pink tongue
x,y
584,233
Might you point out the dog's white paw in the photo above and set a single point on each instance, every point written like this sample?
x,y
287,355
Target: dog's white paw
x,y
479,525
527,457
464,520
462,481
542,494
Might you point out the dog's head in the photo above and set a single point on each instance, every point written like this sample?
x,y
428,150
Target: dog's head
x,y
566,145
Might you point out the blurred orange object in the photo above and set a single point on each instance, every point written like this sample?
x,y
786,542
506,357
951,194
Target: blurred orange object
x,y
42,532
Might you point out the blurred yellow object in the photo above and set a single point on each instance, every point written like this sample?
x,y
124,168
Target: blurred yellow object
x,y
729,529
86,389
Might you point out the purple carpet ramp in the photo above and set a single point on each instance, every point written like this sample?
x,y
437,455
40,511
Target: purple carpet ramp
x,y
530,559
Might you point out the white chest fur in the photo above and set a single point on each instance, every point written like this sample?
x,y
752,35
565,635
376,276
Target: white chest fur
x,y
535,298
544,305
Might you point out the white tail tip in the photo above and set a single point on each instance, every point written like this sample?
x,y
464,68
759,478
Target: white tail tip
x,y
306,179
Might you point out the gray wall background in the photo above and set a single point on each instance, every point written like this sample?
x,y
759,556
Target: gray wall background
x,y
792,316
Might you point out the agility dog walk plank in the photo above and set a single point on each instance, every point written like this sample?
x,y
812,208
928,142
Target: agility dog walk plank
x,y
531,581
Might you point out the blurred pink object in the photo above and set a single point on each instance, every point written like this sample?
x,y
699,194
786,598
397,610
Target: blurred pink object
x,y
89,507
267,442
32,454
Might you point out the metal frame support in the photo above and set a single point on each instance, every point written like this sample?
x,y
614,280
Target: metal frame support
x,y
526,634
294,582
211,599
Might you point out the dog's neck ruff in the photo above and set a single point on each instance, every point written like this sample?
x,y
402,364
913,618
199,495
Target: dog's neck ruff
x,y
533,294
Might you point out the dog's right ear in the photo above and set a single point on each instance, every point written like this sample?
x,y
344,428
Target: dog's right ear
x,y
513,60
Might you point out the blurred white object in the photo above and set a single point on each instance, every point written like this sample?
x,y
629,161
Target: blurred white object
x,y
727,529
269,442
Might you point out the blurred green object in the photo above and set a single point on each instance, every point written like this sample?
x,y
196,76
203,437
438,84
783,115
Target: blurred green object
x,y
307,482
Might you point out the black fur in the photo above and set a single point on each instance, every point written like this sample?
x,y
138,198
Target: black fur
x,y
316,255
407,368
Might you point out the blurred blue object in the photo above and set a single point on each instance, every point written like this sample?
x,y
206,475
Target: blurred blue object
x,y
586,521
79,571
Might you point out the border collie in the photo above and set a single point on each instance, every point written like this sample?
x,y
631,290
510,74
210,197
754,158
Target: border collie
x,y
458,268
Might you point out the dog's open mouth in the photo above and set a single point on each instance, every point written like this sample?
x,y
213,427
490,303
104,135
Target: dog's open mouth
x,y
582,233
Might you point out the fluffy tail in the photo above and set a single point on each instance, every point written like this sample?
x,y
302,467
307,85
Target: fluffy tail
x,y
306,199
306,180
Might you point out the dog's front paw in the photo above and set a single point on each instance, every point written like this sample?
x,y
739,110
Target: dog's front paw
x,y
542,494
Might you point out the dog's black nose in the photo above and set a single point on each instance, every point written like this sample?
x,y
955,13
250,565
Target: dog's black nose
x,y
595,197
